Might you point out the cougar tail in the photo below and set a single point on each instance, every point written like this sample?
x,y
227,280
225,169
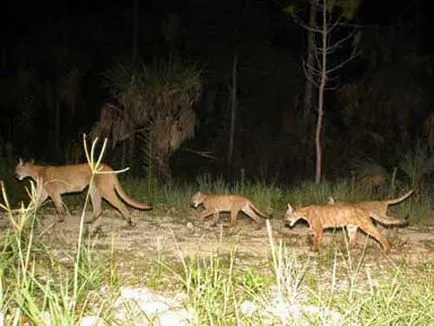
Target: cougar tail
x,y
386,221
257,211
127,199
399,199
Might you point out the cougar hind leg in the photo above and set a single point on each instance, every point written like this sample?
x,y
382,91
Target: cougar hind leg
x,y
252,214
205,213
114,200
376,234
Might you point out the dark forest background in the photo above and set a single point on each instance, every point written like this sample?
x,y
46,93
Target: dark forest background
x,y
67,69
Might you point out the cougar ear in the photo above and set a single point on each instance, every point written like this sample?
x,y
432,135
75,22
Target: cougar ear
x,y
20,162
331,201
32,161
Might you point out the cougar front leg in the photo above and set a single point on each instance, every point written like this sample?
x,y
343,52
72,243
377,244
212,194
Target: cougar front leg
x,y
204,214
95,197
352,234
234,214
60,209
215,217
317,236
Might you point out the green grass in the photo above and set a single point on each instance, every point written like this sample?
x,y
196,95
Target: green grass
x,y
358,287
34,286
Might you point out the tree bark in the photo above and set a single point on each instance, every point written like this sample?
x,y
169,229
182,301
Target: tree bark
x,y
321,89
57,130
308,90
135,33
233,119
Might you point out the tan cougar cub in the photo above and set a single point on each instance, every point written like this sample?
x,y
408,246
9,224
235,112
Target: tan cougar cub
x,y
320,217
214,204
377,207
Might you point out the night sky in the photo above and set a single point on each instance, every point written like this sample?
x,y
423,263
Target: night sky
x,y
23,16
94,35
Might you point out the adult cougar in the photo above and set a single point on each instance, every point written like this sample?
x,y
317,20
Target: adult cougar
x,y
57,180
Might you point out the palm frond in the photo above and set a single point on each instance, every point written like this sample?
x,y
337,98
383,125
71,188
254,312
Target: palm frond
x,y
372,173
417,163
157,98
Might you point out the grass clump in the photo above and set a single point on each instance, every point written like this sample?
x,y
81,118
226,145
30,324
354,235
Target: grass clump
x,y
337,286
35,287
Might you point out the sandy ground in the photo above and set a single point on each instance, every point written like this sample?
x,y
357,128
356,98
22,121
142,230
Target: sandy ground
x,y
171,236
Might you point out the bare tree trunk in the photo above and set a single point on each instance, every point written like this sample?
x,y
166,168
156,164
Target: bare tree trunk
x,y
135,32
318,136
162,171
124,154
49,100
308,89
131,150
131,142
323,81
316,69
3,66
57,130
233,118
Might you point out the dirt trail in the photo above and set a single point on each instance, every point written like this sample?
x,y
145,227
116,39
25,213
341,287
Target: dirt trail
x,y
167,235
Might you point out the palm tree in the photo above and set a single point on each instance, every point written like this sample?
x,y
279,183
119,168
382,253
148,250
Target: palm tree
x,y
412,166
156,101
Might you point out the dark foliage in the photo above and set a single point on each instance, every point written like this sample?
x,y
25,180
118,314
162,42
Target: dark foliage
x,y
52,91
